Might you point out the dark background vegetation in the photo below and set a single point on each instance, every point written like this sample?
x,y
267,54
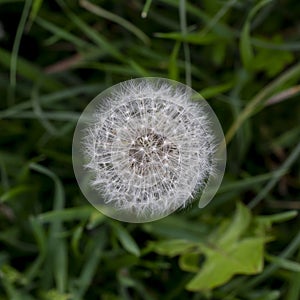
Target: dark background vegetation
x,y
242,56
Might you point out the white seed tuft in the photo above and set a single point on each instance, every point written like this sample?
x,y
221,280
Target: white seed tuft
x,y
147,148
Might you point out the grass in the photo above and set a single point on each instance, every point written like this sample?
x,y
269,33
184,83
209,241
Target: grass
x,y
242,56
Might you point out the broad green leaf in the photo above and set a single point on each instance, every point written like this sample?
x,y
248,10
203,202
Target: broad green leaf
x,y
173,247
238,226
55,295
221,264
190,261
271,62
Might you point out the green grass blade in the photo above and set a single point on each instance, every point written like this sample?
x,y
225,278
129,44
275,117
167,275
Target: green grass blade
x,y
173,64
260,98
67,214
99,11
30,71
186,49
16,45
283,168
62,33
89,268
146,9
126,239
96,37
245,41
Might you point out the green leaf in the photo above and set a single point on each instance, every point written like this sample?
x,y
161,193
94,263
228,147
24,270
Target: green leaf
x,y
238,226
191,38
244,257
80,285
173,247
14,192
173,64
216,90
126,239
267,221
30,71
190,261
69,214
284,263
35,8
246,49
99,11
55,295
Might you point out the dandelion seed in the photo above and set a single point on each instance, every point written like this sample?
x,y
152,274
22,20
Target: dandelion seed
x,y
146,147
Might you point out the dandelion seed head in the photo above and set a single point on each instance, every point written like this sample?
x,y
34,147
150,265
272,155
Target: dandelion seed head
x,y
144,148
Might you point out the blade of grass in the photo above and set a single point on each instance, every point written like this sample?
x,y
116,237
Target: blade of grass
x,y
99,11
36,6
37,109
30,71
283,168
66,215
89,268
186,48
62,33
284,263
248,183
173,64
212,91
16,46
146,8
260,98
220,28
40,237
52,98
195,38
56,259
284,95
93,35
13,192
112,68
246,50
57,115
212,23
126,239
294,286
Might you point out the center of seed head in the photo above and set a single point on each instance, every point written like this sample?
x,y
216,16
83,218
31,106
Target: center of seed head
x,y
150,152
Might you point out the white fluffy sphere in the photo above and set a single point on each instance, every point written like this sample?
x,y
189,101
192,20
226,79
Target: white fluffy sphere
x,y
144,147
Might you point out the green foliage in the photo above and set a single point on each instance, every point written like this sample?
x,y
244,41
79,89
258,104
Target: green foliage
x,y
243,56
236,248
